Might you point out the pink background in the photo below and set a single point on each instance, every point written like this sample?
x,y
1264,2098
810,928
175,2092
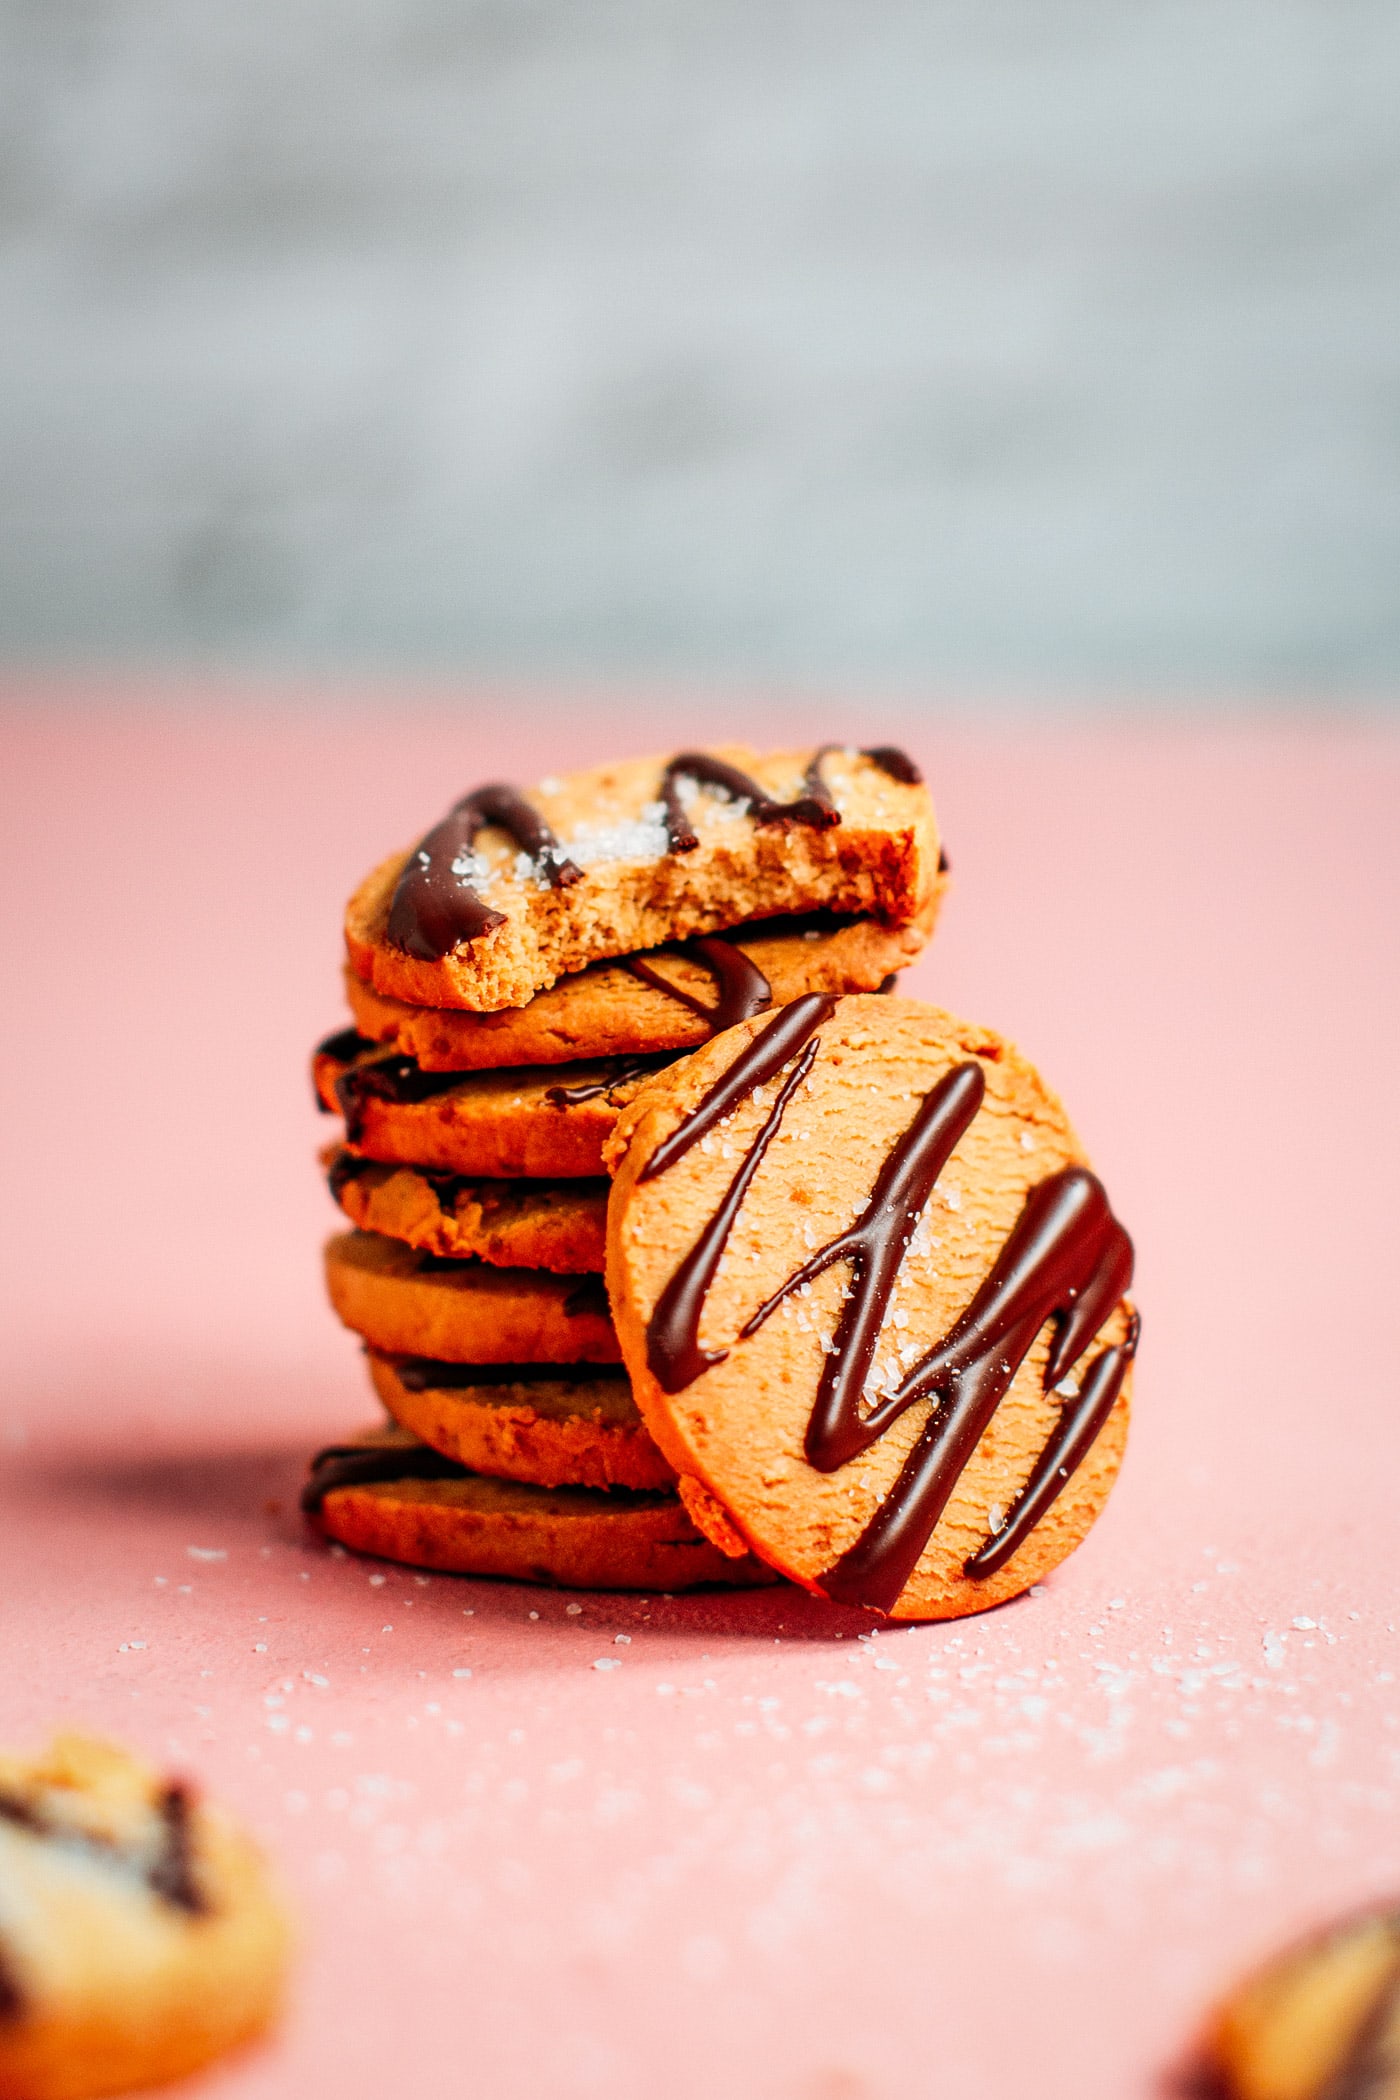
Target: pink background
x,y
756,1854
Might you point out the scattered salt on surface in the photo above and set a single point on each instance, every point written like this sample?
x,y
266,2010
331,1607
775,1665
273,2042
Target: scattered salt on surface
x,y
573,1610
608,1662
207,1552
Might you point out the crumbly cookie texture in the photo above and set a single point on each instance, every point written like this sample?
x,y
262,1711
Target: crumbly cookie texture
x,y
409,1304
607,1011
1319,2022
634,893
576,1537
536,1122
582,1431
511,1224
739,1428
139,1936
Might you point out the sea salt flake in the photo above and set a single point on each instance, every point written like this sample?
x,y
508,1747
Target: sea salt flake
x,y
608,1662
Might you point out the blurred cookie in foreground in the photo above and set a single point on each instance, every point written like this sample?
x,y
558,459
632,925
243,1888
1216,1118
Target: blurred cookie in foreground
x,y
139,1937
1321,2021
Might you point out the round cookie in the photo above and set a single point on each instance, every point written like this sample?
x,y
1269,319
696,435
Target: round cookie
x,y
524,1421
534,1122
139,1937
511,1224
844,1242
666,999
1321,2021
385,1494
508,892
412,1304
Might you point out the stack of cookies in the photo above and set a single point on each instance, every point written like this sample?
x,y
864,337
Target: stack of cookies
x,y
864,1322
515,982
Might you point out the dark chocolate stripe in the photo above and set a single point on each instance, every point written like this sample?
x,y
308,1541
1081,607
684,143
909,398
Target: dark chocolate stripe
x,y
589,1296
620,1072
345,1044
172,1875
741,988
434,910
423,1374
1068,1257
396,1079
674,1356
359,1465
782,1038
12,1999
813,807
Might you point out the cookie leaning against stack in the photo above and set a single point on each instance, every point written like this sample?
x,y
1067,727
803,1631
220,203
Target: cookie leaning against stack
x,y
505,1014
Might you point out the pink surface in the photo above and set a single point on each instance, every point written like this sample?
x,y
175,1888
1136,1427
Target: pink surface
x,y
722,1845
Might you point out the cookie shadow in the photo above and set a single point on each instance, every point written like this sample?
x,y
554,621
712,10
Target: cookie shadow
x,y
255,1486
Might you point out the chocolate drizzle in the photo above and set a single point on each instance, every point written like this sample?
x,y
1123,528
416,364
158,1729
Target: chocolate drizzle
x,y
1067,1259
172,1875
345,1044
588,1298
624,1071
359,1465
434,908
741,988
12,1999
813,807
674,1356
396,1079
343,1169
422,1374
769,1051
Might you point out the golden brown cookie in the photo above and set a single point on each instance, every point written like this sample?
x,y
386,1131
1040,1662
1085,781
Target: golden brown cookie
x,y
139,1936
387,1495
508,892
872,1303
463,1312
525,1421
511,1224
536,1122
1319,2022
668,999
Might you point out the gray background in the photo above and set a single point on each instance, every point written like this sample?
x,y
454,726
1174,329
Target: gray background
x,y
1035,343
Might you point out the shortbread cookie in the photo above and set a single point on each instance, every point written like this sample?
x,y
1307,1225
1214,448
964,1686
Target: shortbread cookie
x,y
539,1122
387,1495
139,1937
872,1303
668,999
1319,2022
511,1224
465,1312
509,893
525,1421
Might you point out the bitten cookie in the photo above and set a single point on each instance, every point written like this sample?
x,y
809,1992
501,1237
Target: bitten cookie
x,y
411,1304
872,1302
525,1421
1319,2022
668,999
138,1934
509,892
387,1495
537,1122
511,1224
